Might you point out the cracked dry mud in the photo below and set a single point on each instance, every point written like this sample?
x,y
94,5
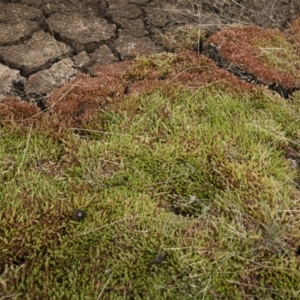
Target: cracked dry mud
x,y
43,44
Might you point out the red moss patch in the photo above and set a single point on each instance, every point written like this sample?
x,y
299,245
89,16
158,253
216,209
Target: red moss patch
x,y
73,104
265,55
18,111
187,69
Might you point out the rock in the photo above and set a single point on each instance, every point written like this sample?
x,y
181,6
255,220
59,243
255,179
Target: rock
x,y
16,33
103,55
133,27
9,79
13,13
82,61
126,11
128,17
83,33
129,47
39,51
43,82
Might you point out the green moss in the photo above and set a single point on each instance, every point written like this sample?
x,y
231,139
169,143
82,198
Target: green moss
x,y
199,174
279,54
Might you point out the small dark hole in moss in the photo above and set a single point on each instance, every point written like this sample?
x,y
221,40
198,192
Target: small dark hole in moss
x,y
178,211
160,258
18,261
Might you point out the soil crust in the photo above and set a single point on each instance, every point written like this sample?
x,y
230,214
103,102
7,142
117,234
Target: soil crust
x,y
43,44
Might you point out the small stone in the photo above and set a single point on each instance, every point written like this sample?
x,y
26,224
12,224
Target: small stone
x,y
43,82
79,214
9,79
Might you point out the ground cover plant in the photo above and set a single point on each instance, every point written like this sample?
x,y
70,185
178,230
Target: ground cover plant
x,y
269,57
188,177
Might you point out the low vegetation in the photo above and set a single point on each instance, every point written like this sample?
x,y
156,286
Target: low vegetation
x,y
188,177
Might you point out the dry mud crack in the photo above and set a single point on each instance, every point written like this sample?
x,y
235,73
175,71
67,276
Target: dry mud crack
x,y
44,44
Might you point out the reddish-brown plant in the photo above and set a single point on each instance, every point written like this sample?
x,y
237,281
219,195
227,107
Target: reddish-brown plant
x,y
238,50
18,111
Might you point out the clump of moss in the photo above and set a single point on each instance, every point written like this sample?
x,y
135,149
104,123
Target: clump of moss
x,y
183,68
18,111
263,55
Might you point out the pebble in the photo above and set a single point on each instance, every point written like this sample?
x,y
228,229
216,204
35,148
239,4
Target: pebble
x,y
79,214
